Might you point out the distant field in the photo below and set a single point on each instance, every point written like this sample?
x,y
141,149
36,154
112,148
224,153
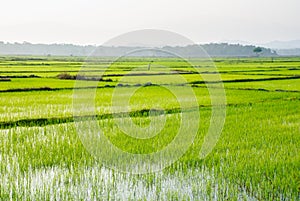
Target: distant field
x,y
256,158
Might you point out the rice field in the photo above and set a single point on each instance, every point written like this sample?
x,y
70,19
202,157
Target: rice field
x,y
256,157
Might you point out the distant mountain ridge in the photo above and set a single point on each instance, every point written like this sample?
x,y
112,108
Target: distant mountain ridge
x,y
285,48
293,44
289,52
213,49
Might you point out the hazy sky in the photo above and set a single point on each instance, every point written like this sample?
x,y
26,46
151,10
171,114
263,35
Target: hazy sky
x,y
96,21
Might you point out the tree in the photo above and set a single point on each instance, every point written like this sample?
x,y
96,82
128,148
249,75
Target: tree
x,y
149,65
257,50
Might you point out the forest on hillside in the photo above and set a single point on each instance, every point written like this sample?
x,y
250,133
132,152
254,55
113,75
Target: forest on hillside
x,y
212,49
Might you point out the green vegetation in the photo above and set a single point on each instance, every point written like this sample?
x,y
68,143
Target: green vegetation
x,y
214,49
256,158
257,50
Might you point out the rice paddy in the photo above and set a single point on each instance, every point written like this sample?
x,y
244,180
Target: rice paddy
x,y
256,157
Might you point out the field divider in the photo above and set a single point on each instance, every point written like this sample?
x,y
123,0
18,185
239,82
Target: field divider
x,y
253,89
60,120
133,114
248,80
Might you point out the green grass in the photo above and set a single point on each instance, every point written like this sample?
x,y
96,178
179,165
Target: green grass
x,y
292,85
256,158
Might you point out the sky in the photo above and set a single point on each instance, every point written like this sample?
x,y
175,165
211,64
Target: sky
x,y
94,22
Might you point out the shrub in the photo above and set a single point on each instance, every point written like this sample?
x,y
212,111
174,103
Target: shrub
x,y
66,76
5,80
148,84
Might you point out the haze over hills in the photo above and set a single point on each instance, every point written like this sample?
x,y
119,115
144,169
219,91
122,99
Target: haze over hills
x,y
275,45
212,49
117,47
288,48
293,44
283,48
164,40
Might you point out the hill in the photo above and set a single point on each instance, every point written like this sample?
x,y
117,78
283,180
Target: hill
x,y
213,49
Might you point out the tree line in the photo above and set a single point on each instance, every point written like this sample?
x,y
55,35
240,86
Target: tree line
x,y
212,49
